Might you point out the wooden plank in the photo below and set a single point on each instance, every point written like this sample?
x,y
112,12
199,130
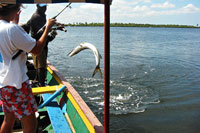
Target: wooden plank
x,y
63,105
46,89
56,116
70,123
51,97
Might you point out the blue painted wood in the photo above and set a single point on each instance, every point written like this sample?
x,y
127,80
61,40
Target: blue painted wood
x,y
51,97
57,118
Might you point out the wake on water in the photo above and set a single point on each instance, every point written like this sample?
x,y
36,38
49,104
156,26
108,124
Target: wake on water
x,y
125,98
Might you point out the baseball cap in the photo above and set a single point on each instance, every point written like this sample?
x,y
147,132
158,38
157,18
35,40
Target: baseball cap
x,y
41,5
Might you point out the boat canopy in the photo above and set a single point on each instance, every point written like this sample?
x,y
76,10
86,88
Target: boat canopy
x,y
52,1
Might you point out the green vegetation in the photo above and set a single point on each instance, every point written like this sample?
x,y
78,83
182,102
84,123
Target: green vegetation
x,y
85,24
133,25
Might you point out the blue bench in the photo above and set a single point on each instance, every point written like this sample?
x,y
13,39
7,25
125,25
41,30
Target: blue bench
x,y
58,121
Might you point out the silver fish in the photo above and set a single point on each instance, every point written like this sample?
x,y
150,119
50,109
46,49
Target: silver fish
x,y
95,51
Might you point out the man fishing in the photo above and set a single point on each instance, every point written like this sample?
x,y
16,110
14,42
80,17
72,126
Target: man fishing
x,y
15,91
36,22
37,26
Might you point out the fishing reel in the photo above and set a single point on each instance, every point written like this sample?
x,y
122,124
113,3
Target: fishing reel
x,y
59,26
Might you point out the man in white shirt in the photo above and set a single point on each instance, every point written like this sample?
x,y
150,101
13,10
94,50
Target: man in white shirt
x,y
15,91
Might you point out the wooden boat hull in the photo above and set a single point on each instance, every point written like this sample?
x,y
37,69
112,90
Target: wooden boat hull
x,y
81,117
68,108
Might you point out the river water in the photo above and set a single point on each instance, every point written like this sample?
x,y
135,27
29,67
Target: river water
x,y
155,76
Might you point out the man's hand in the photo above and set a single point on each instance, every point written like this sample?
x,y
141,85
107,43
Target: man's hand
x,y
50,23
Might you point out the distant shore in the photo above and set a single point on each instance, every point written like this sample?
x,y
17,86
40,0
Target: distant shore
x,y
133,25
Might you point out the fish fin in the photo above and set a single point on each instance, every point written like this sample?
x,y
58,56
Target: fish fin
x,y
100,56
97,69
70,53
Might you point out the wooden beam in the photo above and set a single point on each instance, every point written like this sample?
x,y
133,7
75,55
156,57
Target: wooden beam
x,y
46,89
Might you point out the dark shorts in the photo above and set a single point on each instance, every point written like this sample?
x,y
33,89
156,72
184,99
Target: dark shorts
x,y
19,101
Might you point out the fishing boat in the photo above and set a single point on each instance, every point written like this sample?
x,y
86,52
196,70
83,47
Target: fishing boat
x,y
61,108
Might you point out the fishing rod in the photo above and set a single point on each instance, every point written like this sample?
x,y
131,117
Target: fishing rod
x,y
42,29
62,10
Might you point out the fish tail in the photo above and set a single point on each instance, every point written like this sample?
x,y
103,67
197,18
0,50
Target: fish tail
x,y
97,69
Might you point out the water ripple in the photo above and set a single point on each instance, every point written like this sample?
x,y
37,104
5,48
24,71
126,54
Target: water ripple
x,y
125,98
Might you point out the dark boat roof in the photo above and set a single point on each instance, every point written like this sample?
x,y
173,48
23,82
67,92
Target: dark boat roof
x,y
52,1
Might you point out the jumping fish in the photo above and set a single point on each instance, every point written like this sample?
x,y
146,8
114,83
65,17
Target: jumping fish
x,y
95,51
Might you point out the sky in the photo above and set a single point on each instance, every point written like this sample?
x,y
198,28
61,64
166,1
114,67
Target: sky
x,y
181,12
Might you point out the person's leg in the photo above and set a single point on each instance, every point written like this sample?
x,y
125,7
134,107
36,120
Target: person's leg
x,y
8,122
27,114
25,108
9,116
23,105
41,72
29,123
41,66
35,63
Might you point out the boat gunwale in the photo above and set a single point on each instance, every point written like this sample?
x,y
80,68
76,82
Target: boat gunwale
x,y
81,103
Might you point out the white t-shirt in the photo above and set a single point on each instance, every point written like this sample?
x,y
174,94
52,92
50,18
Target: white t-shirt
x,y
12,39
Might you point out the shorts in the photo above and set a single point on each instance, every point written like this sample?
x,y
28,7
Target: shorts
x,y
40,61
19,101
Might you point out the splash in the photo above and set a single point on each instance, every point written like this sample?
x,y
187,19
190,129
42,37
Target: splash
x,y
125,97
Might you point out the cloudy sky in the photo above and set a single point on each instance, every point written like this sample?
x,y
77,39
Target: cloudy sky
x,y
183,12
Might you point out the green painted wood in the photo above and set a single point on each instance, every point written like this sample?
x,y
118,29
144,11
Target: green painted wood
x,y
51,80
56,116
76,120
48,129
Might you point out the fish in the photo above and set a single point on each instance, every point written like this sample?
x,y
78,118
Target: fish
x,y
86,45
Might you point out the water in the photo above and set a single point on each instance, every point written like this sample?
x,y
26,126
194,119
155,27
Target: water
x,y
155,76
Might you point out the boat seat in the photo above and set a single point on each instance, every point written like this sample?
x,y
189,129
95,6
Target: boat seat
x,y
56,116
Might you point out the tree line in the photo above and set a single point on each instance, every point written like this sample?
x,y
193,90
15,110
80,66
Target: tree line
x,y
132,25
